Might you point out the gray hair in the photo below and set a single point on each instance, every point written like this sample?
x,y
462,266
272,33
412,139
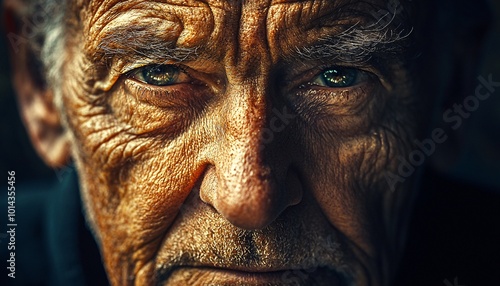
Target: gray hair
x,y
42,25
52,52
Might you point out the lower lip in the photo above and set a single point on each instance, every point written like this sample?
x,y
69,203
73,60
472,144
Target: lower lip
x,y
218,276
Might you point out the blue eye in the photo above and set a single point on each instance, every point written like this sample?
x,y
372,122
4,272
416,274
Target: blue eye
x,y
159,75
338,77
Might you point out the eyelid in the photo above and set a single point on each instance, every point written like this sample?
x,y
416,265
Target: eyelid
x,y
184,76
181,94
136,65
360,77
327,102
331,101
302,77
121,68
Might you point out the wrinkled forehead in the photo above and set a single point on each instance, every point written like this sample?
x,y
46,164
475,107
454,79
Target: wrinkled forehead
x,y
276,23
298,11
106,5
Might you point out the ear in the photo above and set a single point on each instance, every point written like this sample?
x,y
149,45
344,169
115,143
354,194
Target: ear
x,y
35,98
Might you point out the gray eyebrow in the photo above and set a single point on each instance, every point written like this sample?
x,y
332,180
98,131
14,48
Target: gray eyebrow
x,y
354,45
140,43
357,45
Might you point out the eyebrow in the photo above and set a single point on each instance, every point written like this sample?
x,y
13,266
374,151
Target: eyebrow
x,y
358,45
140,43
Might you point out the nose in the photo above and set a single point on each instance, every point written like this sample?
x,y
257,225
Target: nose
x,y
249,183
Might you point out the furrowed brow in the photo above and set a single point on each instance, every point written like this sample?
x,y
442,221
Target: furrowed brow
x,y
358,45
139,43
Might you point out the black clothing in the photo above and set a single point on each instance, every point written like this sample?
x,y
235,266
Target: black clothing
x,y
53,245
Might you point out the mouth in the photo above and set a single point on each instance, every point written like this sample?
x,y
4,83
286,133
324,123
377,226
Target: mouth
x,y
202,275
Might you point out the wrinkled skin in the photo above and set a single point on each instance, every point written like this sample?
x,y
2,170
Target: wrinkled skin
x,y
185,185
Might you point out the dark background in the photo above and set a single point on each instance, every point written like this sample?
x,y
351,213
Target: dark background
x,y
455,232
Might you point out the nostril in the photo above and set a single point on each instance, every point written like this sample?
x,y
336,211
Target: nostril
x,y
208,187
293,187
252,198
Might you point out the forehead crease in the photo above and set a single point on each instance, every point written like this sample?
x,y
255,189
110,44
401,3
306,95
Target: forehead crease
x,y
311,13
286,21
309,20
102,11
99,13
165,21
131,20
96,7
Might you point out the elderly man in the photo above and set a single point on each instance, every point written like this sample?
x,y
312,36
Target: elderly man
x,y
234,142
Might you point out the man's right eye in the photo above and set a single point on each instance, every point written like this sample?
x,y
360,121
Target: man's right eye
x,y
160,75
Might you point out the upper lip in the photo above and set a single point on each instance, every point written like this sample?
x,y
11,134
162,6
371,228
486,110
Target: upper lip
x,y
303,276
165,273
250,269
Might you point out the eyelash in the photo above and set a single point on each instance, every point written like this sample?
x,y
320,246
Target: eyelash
x,y
164,96
182,75
313,101
181,94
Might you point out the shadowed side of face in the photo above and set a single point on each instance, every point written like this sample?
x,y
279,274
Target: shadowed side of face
x,y
241,142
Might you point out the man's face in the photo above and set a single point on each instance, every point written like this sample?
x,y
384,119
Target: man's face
x,y
240,142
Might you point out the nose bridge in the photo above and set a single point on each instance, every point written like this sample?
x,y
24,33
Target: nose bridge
x,y
248,71
243,167
246,108
243,186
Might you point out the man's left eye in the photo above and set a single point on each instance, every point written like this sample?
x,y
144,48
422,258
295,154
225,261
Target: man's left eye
x,y
339,77
160,75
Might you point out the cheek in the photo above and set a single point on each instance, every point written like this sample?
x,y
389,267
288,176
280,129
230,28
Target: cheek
x,y
135,208
135,169
163,113
346,177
